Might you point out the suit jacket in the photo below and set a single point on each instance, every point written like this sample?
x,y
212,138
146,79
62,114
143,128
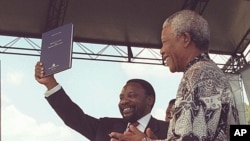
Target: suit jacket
x,y
92,128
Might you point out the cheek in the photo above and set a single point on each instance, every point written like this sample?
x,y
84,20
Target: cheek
x,y
119,106
165,48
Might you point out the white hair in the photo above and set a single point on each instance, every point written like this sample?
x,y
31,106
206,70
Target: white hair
x,y
192,23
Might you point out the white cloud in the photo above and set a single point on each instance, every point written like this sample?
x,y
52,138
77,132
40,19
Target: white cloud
x,y
5,99
21,127
159,114
141,70
15,77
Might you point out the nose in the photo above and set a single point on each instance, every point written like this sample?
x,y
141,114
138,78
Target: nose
x,y
161,51
124,101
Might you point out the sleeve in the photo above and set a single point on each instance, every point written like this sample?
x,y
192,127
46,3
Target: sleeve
x,y
198,106
53,90
72,114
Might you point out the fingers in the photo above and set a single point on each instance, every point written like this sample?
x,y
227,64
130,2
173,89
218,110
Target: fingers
x,y
48,81
128,133
119,136
39,70
150,134
115,136
113,139
134,130
135,135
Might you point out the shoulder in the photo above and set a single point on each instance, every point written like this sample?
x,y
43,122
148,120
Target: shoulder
x,y
118,124
159,127
159,122
204,67
109,120
204,71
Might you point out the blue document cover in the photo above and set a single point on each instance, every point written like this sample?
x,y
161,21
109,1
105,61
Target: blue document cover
x,y
56,50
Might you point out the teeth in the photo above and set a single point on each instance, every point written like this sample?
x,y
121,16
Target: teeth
x,y
126,109
165,61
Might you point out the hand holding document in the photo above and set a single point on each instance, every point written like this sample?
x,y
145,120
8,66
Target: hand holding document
x,y
56,51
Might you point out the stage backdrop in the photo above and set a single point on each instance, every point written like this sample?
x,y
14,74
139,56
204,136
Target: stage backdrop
x,y
246,81
237,86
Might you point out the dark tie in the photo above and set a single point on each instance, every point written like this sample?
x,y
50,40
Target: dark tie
x,y
135,124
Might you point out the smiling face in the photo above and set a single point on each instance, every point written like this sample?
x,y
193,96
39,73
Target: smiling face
x,y
172,50
134,103
169,112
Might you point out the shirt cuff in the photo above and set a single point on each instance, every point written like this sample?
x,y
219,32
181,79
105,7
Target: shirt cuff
x,y
53,90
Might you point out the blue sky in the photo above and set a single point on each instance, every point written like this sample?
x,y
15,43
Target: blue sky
x,y
93,85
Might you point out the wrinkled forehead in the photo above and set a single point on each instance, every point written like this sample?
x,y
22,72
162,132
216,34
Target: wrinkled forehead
x,y
166,28
166,31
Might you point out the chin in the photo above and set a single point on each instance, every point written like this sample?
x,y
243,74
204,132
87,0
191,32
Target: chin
x,y
172,70
129,118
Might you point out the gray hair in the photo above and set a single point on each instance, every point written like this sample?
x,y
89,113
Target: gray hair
x,y
192,23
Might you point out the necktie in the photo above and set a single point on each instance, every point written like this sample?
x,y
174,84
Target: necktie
x,y
135,124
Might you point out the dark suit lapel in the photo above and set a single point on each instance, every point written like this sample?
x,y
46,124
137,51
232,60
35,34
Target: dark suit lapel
x,y
153,125
120,127
109,125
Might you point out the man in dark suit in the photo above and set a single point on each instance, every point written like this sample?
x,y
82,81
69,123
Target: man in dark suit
x,y
137,99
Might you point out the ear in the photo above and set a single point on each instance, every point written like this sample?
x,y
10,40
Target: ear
x,y
150,100
186,38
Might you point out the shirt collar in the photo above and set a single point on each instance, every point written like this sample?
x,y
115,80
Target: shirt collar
x,y
201,57
143,122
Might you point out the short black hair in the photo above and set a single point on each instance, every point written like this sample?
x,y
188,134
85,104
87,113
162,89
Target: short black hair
x,y
147,87
172,101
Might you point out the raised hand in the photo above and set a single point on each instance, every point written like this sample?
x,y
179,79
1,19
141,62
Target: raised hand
x,y
48,81
150,134
133,135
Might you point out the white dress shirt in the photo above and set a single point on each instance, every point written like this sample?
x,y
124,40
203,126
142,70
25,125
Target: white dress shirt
x,y
53,90
143,122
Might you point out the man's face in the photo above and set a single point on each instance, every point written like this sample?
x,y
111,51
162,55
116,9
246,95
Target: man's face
x,y
169,112
134,103
171,50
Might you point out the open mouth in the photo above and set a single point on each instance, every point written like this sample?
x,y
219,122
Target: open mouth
x,y
165,59
128,111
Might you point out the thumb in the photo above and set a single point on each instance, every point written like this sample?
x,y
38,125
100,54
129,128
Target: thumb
x,y
134,129
150,134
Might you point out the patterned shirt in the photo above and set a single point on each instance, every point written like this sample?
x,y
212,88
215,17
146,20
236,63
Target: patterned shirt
x,y
205,106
